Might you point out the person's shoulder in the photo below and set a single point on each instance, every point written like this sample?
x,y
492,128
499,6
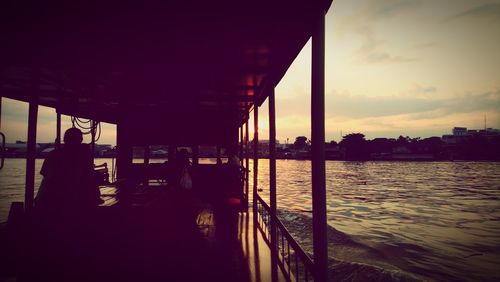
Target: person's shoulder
x,y
53,154
84,147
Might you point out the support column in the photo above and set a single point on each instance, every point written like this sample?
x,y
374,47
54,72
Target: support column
x,y
58,130
146,166
146,154
219,161
272,185
247,163
320,243
196,154
241,145
255,157
124,152
2,143
92,133
31,148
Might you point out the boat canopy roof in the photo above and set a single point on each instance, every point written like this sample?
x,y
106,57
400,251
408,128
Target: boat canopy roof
x,y
209,61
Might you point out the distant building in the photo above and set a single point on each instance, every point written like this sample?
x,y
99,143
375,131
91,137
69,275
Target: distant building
x,y
460,134
471,132
459,131
490,132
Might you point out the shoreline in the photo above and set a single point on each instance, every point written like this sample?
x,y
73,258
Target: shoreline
x,y
302,159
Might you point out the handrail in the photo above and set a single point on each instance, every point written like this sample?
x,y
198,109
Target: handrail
x,y
2,150
286,239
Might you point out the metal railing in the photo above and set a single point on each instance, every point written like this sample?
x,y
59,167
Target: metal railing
x,y
2,150
295,264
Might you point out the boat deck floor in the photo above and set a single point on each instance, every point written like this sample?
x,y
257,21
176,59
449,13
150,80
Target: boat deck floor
x,y
155,235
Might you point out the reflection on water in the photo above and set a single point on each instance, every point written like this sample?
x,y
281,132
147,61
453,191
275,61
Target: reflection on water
x,y
437,219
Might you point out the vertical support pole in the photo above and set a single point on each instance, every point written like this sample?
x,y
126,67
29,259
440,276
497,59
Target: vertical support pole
x,y
2,142
196,154
146,154
255,158
146,162
120,151
124,152
241,145
58,129
320,243
92,134
218,155
0,112
31,146
272,185
247,163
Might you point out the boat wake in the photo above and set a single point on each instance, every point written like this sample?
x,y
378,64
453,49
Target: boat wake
x,y
349,260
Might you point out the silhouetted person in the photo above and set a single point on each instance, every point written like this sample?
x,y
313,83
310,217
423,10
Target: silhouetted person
x,y
234,175
63,236
68,184
232,158
181,167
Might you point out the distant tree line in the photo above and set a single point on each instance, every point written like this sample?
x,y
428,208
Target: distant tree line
x,y
355,146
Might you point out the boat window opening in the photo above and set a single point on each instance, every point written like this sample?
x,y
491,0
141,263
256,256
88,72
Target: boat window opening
x,y
138,154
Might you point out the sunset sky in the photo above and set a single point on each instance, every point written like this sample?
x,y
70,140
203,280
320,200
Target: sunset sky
x,y
415,68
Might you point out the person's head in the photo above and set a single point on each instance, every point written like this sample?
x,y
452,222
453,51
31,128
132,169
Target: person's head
x,y
73,136
230,151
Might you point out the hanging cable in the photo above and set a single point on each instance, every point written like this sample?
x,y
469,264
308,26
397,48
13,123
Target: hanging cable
x,y
87,126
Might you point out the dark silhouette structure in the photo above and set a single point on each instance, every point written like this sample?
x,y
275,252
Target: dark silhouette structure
x,y
179,75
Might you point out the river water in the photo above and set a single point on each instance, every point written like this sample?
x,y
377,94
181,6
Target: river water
x,y
435,220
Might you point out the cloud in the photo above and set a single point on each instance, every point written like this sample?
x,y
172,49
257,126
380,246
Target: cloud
x,y
424,45
422,111
363,22
14,129
383,57
407,125
485,11
364,106
475,102
376,10
383,9
14,109
422,91
416,106
427,89
370,50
